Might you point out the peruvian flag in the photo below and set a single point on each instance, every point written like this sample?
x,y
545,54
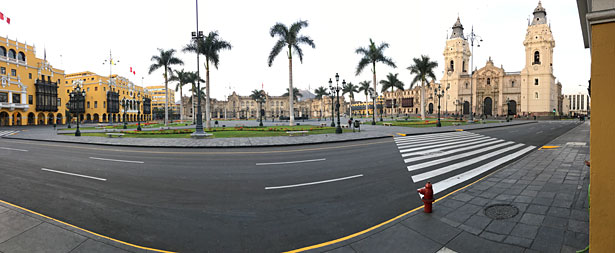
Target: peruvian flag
x,y
132,71
8,20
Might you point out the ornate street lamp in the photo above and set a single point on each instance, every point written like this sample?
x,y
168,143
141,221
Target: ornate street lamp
x,y
472,36
331,95
507,109
262,100
338,130
439,92
138,115
373,95
77,99
125,104
197,36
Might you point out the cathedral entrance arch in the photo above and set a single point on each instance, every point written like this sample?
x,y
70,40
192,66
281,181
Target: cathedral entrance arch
x,y
4,119
488,106
430,108
512,107
466,108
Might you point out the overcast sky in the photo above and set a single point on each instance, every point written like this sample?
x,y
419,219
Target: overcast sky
x,y
79,34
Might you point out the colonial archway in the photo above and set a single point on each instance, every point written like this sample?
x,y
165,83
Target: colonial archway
x,y
17,119
512,107
4,119
31,119
488,106
88,117
104,117
430,108
59,119
41,119
50,119
466,108
96,118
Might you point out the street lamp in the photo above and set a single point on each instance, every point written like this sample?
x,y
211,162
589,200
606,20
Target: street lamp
x,y
69,116
381,103
373,94
331,95
507,109
439,92
77,99
472,36
125,104
261,100
338,130
138,115
197,36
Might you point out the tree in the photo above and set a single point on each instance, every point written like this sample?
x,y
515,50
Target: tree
x,y
165,60
371,55
320,93
210,47
182,78
364,87
259,97
422,68
351,89
192,77
392,82
290,38
296,94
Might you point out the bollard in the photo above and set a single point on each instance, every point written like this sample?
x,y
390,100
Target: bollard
x,y
427,192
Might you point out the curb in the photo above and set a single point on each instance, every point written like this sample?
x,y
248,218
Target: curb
x,y
257,145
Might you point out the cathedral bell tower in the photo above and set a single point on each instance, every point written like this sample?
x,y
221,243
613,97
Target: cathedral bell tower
x,y
456,63
538,88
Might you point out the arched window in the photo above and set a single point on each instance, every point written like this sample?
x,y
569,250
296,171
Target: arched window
x,y
2,51
536,95
12,54
536,57
463,66
21,56
466,85
512,84
488,81
452,65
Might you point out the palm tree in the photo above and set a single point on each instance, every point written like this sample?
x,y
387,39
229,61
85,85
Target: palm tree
x,y
210,47
371,55
320,93
296,94
392,82
165,60
364,87
422,68
259,97
182,77
351,89
291,39
192,78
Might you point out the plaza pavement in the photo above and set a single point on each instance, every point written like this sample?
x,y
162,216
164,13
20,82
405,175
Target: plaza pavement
x,y
48,133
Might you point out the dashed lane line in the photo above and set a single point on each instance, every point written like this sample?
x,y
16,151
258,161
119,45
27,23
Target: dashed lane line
x,y
292,162
312,183
74,174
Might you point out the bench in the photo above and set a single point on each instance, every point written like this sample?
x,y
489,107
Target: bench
x,y
292,133
110,135
324,124
344,125
387,124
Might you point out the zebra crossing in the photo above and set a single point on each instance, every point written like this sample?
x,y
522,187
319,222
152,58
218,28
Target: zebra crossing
x,y
448,159
7,133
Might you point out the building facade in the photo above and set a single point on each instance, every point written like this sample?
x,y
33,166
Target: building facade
x,y
158,96
29,87
576,104
110,99
491,90
244,107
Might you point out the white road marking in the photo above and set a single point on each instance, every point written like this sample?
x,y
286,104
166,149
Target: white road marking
x,y
312,183
439,144
414,159
291,162
447,183
14,149
73,174
432,136
452,167
114,160
406,143
455,157
7,133
463,144
539,132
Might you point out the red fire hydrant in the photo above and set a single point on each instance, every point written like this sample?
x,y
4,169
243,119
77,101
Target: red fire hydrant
x,y
427,196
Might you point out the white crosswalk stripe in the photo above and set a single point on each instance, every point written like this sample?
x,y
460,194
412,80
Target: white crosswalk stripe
x,y
7,133
448,159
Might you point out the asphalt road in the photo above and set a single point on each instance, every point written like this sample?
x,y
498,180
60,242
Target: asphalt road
x,y
231,200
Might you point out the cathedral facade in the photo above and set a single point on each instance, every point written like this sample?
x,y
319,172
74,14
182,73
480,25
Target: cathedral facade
x,y
491,90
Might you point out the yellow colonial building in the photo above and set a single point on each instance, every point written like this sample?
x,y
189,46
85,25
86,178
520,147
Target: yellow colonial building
x,y
28,87
158,96
109,99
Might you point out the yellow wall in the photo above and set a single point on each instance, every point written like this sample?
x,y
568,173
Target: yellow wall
x,y
602,172
27,72
159,96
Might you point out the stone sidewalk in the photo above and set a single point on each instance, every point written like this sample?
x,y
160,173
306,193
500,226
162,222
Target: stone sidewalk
x,y
547,189
367,132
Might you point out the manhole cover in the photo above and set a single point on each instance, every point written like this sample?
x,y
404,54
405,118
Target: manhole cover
x,y
501,211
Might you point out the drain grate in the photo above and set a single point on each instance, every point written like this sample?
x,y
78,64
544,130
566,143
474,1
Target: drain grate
x,y
501,211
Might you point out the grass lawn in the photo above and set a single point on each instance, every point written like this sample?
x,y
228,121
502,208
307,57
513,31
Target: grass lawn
x,y
228,132
129,126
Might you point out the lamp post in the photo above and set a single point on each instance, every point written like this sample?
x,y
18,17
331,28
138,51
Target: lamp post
x,y
507,109
138,115
261,100
373,95
332,95
381,103
338,130
125,104
77,99
197,36
69,116
439,92
472,36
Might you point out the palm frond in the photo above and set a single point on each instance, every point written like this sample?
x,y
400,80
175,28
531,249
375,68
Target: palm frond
x,y
275,51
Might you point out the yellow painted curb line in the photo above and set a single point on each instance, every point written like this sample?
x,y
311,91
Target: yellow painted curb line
x,y
459,130
548,147
381,224
401,134
84,230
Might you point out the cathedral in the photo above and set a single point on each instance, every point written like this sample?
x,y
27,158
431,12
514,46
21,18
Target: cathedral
x,y
490,90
